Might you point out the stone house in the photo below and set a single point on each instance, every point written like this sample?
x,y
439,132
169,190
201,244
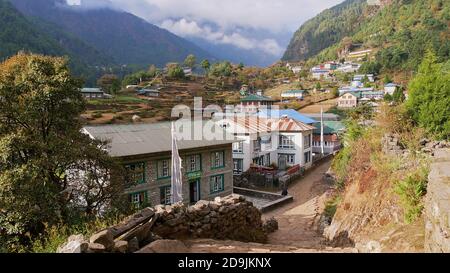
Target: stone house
x,y
348,100
145,151
254,103
94,93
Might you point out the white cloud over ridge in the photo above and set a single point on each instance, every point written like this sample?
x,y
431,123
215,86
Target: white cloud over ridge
x,y
186,28
219,21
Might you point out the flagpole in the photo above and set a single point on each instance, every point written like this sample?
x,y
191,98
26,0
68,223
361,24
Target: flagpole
x,y
321,131
177,182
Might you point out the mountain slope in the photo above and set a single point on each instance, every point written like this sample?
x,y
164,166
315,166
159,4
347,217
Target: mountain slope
x,y
129,39
326,29
399,31
17,33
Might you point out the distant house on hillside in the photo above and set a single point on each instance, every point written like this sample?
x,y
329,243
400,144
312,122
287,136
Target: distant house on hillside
x,y
318,73
359,55
148,92
360,78
352,99
94,93
293,94
349,100
390,88
254,103
345,89
349,68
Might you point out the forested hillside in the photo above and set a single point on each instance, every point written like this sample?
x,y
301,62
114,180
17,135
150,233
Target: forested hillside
x,y
17,33
125,37
326,29
400,33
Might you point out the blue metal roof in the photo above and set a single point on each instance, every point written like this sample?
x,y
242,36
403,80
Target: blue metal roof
x,y
290,113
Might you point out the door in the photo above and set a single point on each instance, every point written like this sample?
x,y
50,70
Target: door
x,y
194,191
282,162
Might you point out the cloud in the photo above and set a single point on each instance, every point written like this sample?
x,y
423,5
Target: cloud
x,y
186,28
272,15
247,24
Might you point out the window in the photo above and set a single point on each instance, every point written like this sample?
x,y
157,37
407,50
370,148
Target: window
x,y
135,173
165,193
138,199
267,160
238,147
194,163
216,184
257,145
164,169
307,141
307,157
238,166
217,160
290,159
286,142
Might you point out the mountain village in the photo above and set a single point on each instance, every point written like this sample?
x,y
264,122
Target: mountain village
x,y
341,146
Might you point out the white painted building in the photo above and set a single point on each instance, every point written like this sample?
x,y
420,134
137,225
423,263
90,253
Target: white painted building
x,y
281,142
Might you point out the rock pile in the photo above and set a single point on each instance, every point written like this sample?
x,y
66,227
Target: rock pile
x,y
229,218
392,145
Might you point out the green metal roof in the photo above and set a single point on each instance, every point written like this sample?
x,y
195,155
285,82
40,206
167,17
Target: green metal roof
x,y
294,91
330,127
254,97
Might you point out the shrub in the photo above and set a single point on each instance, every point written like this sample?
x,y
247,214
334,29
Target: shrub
x,y
411,191
331,206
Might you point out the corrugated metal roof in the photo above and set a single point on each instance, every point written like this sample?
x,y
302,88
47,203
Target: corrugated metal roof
x,y
142,139
254,97
290,113
246,125
288,125
91,90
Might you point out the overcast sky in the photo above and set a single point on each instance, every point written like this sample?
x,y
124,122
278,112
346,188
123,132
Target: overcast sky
x,y
246,24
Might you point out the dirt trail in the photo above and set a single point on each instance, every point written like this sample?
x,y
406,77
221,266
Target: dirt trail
x,y
299,221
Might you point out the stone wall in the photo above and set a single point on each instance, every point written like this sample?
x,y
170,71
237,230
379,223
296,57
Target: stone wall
x,y
229,218
437,204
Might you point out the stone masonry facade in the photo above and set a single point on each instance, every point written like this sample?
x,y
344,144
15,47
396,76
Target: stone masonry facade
x,y
437,204
154,183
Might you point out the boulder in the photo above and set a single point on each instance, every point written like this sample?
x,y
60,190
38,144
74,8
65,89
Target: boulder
x,y
96,248
121,246
165,246
74,244
104,237
133,245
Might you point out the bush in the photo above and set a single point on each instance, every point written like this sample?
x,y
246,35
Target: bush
x,y
331,206
411,191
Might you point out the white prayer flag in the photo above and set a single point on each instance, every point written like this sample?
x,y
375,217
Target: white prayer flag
x,y
177,182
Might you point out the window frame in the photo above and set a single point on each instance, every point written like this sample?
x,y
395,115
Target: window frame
x,y
214,158
160,176
138,204
144,170
167,195
240,149
221,187
199,164
282,142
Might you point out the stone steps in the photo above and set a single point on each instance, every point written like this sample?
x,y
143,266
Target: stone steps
x,y
214,246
